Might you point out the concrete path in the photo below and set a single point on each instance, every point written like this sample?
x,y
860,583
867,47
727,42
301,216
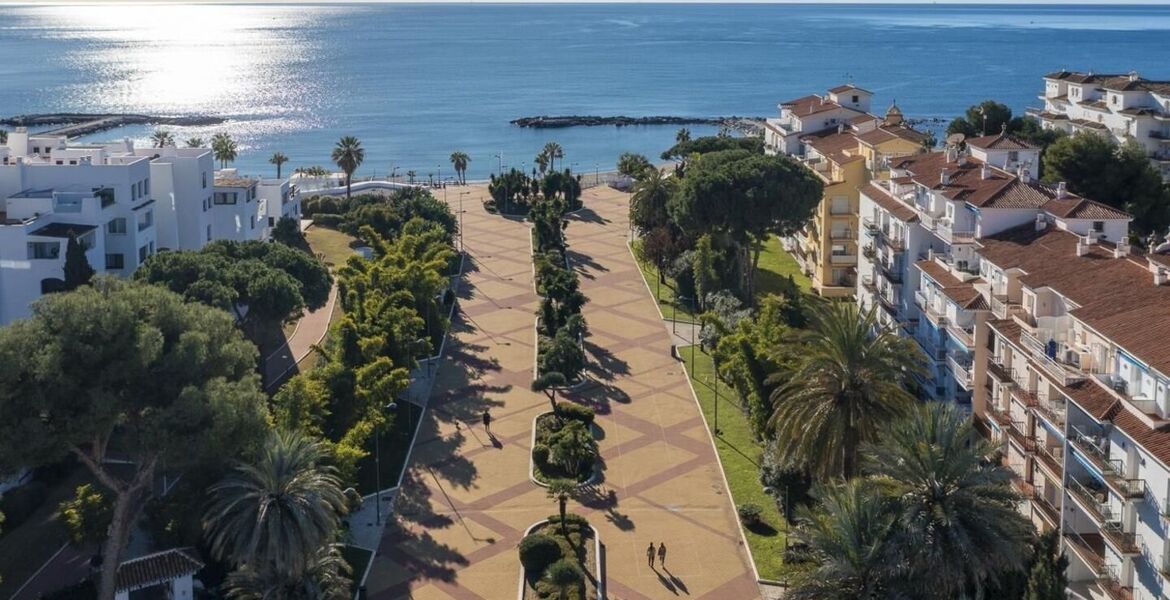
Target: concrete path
x,y
310,330
466,497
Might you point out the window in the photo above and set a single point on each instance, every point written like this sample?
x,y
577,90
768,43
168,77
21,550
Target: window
x,y
209,233
115,262
146,187
840,250
225,197
253,219
205,180
271,221
856,98
133,193
116,226
145,220
251,194
143,252
1098,226
44,250
1014,155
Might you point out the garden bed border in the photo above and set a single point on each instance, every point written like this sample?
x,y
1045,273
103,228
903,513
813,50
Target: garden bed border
x,y
593,479
596,557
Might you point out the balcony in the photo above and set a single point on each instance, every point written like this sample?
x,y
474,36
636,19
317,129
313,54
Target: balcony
x,y
1090,548
1096,450
1016,435
962,335
1054,411
961,371
895,244
1001,373
1045,508
841,234
1026,397
1051,458
870,225
1095,501
1063,373
1120,387
843,259
997,412
954,236
891,274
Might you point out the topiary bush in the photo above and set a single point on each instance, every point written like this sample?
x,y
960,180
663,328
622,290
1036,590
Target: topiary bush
x,y
540,454
750,514
575,412
537,552
328,220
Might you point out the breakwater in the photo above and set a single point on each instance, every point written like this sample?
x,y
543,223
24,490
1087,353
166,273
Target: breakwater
x,y
554,122
78,124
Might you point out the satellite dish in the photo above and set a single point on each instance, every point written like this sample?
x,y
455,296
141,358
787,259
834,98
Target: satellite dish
x,y
955,139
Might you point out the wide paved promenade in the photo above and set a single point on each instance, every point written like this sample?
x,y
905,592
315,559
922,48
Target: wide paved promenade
x,y
467,500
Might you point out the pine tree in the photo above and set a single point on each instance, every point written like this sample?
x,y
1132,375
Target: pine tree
x,y
1048,578
77,269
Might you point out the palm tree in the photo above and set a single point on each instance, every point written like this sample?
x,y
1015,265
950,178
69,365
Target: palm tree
x,y
846,388
850,537
275,515
563,577
195,142
348,155
541,162
955,508
648,203
683,135
410,176
325,579
459,160
278,159
3,136
554,152
561,490
224,148
161,138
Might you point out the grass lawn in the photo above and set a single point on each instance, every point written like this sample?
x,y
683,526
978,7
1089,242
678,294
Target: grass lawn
x,y
668,301
740,455
393,445
332,245
775,263
358,559
25,548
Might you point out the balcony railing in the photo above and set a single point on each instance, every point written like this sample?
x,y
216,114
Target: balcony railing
x,y
961,371
1055,411
1121,387
870,225
841,234
843,259
1051,457
1096,449
967,338
1026,397
1097,501
997,412
1062,373
891,274
1016,434
1046,507
1001,373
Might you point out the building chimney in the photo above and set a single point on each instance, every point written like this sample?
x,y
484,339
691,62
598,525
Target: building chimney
x,y
1041,222
985,171
1121,250
961,158
952,154
1061,190
1159,276
944,178
1133,76
1082,247
1023,175
840,128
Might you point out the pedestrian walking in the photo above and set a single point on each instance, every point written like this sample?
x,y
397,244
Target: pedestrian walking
x,y
650,555
662,554
487,421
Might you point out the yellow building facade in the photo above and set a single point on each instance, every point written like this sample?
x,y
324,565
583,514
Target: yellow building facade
x,y
845,160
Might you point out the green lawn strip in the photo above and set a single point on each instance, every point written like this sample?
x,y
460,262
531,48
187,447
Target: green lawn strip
x,y
775,263
25,548
668,301
358,559
332,245
393,444
740,454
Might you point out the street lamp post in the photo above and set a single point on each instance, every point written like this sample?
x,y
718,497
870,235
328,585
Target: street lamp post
x,y
499,164
596,174
716,369
461,195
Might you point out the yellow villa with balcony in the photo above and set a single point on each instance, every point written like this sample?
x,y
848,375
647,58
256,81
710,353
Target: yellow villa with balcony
x,y
846,158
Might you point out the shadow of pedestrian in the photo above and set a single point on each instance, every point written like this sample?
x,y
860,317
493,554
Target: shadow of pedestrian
x,y
678,583
666,582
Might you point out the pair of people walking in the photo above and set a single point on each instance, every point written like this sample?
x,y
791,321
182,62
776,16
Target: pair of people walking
x,y
661,554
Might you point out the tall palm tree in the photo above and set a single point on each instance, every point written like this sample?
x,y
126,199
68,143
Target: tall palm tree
x,y
459,160
561,490
3,136
554,152
278,159
648,203
955,508
850,537
348,156
846,388
541,162
224,148
195,142
325,579
275,515
410,175
162,137
683,135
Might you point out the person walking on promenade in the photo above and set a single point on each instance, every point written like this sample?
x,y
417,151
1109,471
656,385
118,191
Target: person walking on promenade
x,y
487,421
650,555
661,554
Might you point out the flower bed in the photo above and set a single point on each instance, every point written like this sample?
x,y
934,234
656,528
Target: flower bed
x,y
564,445
547,551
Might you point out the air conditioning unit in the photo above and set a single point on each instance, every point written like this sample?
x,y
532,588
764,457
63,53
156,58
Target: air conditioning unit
x,y
1085,359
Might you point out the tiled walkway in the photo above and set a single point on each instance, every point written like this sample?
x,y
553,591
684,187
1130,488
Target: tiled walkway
x,y
467,499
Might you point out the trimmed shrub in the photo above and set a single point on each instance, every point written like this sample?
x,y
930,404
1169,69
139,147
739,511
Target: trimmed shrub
x,y
750,514
20,503
328,220
537,552
540,454
575,412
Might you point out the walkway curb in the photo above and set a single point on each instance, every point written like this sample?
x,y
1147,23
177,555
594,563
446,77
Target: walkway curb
x,y
593,479
596,559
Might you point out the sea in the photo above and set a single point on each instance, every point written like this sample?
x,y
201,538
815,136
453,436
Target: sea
x,y
415,82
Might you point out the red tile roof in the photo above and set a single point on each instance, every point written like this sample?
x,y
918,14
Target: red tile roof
x,y
811,105
887,133
1001,141
841,89
962,293
156,568
884,199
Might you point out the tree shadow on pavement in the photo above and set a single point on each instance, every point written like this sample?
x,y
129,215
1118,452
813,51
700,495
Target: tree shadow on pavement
x,y
584,264
604,364
588,215
420,554
599,498
598,396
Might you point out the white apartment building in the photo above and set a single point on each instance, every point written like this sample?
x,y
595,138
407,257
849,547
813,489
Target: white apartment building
x,y
813,114
122,203
1121,106
919,236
